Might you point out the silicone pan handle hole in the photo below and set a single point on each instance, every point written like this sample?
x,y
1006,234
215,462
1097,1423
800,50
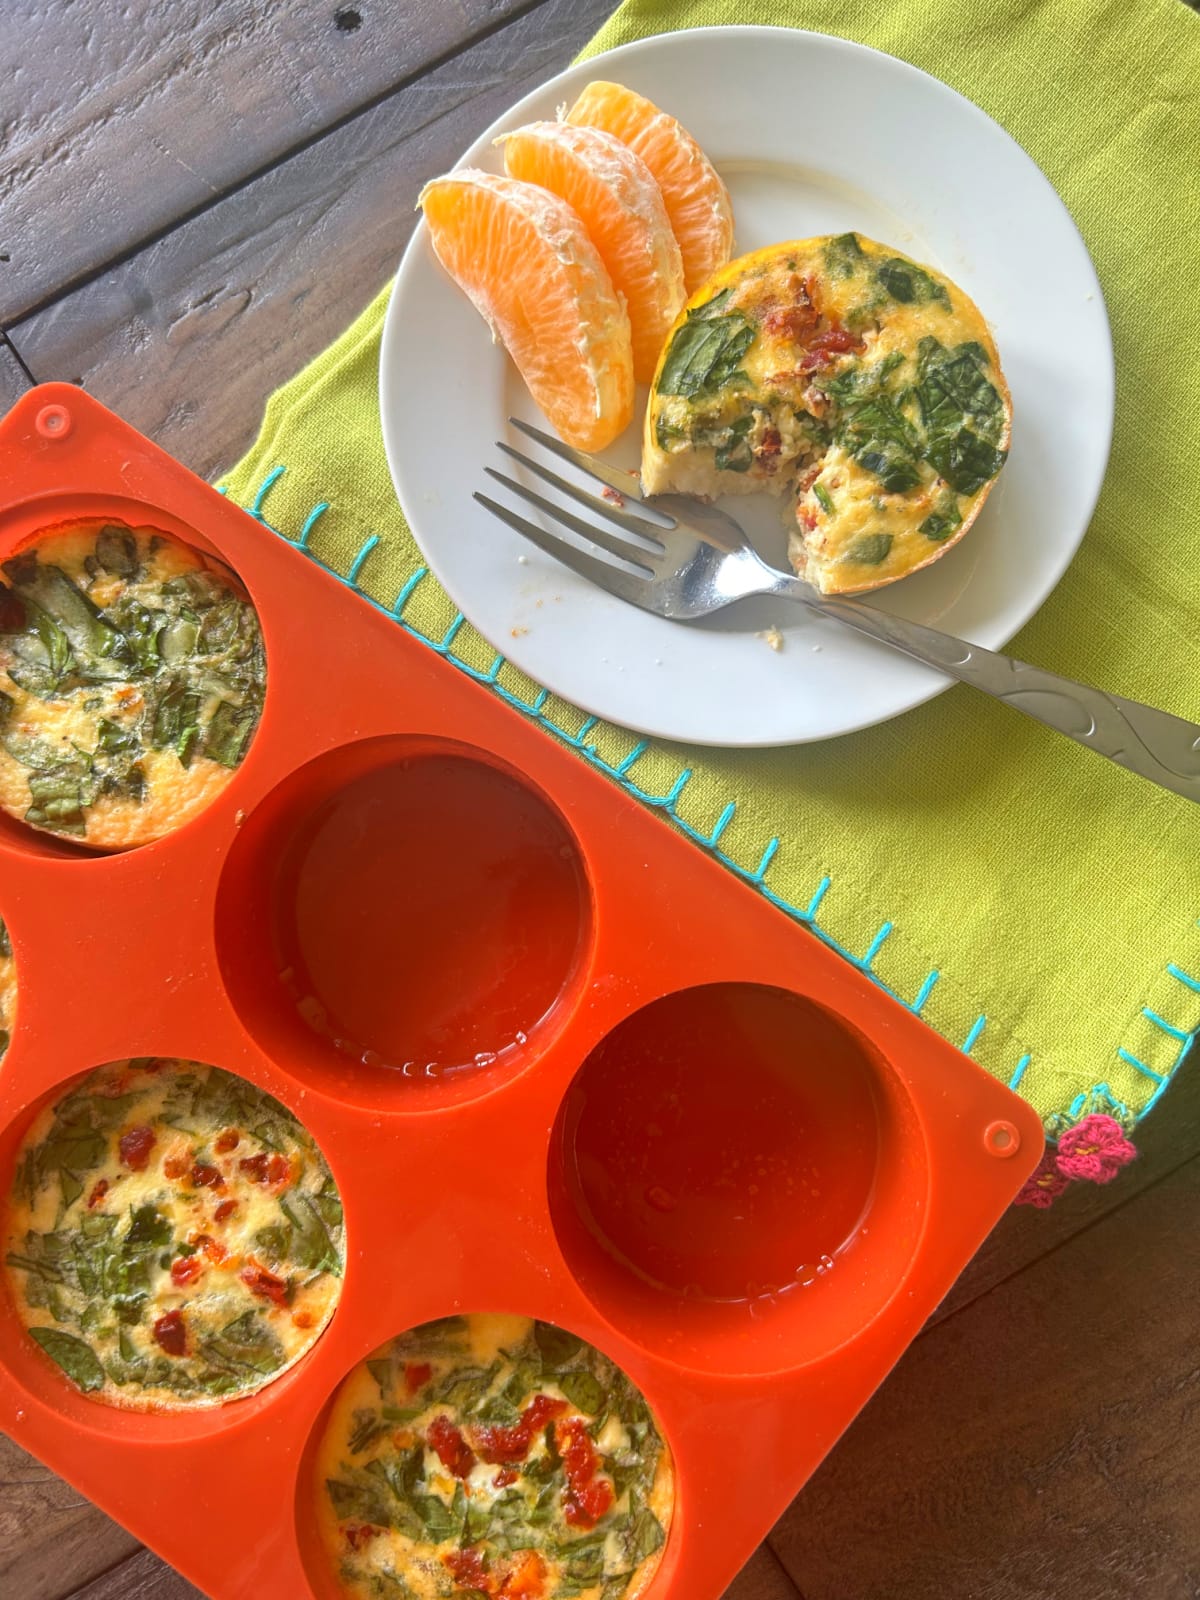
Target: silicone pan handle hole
x,y
1001,1139
53,422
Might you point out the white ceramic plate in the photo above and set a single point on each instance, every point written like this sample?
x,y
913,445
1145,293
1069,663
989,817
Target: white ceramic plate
x,y
813,135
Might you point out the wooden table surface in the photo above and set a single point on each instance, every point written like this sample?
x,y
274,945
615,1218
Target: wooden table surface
x,y
195,198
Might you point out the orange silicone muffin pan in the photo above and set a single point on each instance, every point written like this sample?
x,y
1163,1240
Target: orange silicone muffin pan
x,y
559,1063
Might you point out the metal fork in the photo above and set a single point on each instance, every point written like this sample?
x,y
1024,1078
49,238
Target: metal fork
x,y
698,560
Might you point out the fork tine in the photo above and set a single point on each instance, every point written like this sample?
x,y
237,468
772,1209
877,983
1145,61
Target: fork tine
x,y
623,584
637,555
625,483
628,520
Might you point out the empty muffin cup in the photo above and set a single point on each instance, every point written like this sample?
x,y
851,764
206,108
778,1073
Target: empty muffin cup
x,y
401,919
737,1178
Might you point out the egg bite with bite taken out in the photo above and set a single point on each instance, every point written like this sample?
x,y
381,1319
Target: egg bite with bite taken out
x,y
861,387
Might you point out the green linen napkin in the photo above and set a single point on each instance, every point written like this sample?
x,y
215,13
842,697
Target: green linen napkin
x,y
1035,904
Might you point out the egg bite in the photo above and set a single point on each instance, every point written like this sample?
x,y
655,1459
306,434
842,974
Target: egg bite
x,y
863,388
492,1455
174,1235
132,677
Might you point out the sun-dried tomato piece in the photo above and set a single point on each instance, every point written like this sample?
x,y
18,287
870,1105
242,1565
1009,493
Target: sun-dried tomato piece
x,y
135,1147
833,342
214,1251
587,1497
498,1444
452,1449
228,1139
360,1533
584,1507
541,1410
416,1375
185,1269
577,1451
170,1333
792,322
267,1285
468,1568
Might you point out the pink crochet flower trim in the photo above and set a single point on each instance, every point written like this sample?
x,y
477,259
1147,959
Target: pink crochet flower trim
x,y
1093,1151
1044,1185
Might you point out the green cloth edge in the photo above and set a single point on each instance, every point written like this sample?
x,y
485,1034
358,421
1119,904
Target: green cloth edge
x,y
1068,1045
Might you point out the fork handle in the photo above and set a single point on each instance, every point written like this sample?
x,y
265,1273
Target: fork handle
x,y
1154,744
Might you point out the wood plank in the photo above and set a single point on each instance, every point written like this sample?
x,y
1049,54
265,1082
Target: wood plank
x,y
188,337
1041,1442
51,1539
1168,1137
13,378
141,1577
126,115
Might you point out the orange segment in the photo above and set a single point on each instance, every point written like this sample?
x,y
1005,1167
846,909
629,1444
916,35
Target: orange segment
x,y
697,201
623,211
529,267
